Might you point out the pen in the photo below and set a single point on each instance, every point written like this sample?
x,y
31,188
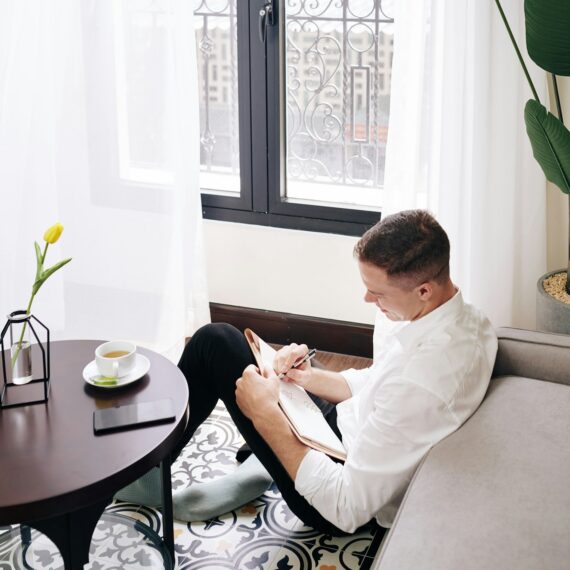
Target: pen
x,y
309,356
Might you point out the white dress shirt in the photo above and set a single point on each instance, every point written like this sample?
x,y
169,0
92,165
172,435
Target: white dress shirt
x,y
428,376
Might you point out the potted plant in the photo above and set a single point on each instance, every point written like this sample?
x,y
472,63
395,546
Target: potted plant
x,y
547,24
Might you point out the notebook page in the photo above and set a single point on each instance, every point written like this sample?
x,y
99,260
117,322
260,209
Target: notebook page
x,y
306,416
303,413
267,353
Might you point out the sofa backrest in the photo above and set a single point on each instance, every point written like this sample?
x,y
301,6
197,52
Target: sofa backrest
x,y
494,494
533,354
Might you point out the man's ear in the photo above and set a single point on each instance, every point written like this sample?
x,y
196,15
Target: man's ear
x,y
425,291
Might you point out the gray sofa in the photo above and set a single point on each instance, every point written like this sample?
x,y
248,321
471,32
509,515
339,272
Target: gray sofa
x,y
496,493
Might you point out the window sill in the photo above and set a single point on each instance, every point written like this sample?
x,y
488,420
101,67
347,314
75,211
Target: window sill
x,y
310,224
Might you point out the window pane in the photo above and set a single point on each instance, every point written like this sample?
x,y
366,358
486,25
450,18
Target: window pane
x,y
338,61
140,46
215,24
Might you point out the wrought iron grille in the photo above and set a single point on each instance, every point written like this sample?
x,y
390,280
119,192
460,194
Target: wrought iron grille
x,y
215,25
338,59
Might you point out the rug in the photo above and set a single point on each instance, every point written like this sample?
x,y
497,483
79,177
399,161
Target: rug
x,y
262,535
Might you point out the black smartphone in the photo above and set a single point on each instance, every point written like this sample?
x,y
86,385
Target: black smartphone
x,y
131,416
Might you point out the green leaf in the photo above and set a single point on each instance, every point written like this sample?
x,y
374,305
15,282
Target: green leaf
x,y
47,273
548,34
550,141
36,286
38,260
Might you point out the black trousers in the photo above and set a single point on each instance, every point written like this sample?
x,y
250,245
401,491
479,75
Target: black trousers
x,y
212,361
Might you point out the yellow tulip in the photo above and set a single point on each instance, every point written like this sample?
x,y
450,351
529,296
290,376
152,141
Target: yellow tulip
x,y
52,234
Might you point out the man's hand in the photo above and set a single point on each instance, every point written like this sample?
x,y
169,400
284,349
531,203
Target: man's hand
x,y
284,360
328,385
256,395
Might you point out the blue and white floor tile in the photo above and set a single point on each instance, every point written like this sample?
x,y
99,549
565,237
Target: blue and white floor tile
x,y
263,535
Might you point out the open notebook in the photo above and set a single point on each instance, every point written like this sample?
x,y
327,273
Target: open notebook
x,y
305,418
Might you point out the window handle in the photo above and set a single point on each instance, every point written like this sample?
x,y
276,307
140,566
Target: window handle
x,y
266,18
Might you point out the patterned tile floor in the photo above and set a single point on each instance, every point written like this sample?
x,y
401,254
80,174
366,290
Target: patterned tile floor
x,y
263,535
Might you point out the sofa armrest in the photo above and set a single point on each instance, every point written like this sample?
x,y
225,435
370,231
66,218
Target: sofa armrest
x,y
533,354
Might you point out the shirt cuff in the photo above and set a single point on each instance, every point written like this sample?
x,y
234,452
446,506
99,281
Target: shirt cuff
x,y
307,481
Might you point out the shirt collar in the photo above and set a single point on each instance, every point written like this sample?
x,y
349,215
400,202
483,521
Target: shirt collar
x,y
413,331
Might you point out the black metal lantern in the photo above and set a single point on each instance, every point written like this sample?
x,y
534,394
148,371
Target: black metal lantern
x,y
26,350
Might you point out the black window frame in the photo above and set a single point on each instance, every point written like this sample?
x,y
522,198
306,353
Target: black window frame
x,y
261,172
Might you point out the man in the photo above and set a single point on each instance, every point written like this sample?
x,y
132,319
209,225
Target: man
x,y
433,358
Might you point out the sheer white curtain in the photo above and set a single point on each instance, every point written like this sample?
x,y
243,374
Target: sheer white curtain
x,y
457,146
99,130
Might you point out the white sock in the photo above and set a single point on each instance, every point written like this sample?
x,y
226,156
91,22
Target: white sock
x,y
204,501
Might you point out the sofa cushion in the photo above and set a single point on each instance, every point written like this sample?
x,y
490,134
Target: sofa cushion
x,y
533,354
496,493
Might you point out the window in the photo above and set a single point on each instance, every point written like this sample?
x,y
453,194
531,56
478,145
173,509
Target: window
x,y
294,120
216,40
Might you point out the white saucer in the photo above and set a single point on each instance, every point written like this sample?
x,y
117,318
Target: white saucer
x,y
142,366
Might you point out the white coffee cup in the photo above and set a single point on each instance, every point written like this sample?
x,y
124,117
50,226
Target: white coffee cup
x,y
115,358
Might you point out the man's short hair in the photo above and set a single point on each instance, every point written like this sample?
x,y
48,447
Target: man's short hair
x,y
410,246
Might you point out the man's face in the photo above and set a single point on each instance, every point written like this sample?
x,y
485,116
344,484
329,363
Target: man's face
x,y
397,303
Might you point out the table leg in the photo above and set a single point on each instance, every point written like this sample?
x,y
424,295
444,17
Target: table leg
x,y
167,516
72,533
26,538
25,535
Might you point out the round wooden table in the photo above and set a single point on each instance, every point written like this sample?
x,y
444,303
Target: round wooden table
x,y
58,476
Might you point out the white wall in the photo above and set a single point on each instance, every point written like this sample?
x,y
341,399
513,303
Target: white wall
x,y
305,273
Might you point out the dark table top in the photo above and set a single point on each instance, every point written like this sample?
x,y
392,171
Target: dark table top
x,y
50,460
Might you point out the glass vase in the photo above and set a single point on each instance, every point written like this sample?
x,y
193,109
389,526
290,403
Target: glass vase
x,y
20,347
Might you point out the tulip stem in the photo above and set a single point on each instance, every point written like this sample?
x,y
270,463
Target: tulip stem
x,y
19,347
